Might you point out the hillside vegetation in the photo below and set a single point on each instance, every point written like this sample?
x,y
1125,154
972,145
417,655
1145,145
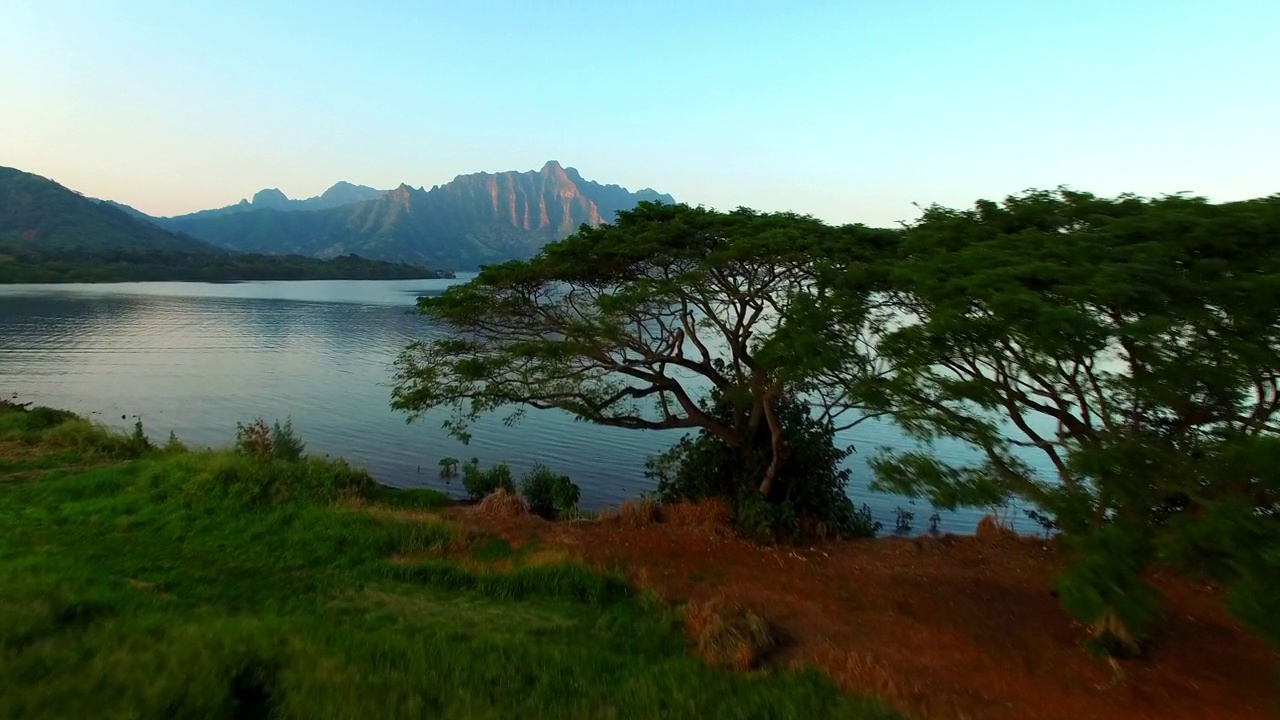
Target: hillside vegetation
x,y
158,582
49,233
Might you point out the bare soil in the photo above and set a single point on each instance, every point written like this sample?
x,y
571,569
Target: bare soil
x,y
950,627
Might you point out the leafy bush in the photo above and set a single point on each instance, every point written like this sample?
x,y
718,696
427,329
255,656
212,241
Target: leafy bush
x,y
549,494
263,441
902,520
448,467
808,497
138,441
480,483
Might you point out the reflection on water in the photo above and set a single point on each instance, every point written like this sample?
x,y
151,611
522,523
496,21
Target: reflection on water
x,y
195,358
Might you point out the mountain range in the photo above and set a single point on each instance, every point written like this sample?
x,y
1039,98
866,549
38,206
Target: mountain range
x,y
49,233
473,220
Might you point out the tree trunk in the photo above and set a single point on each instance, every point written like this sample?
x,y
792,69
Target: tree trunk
x,y
777,444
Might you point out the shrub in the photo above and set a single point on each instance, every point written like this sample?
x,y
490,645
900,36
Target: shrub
x,y
448,467
285,443
257,439
808,496
549,494
138,442
902,520
480,483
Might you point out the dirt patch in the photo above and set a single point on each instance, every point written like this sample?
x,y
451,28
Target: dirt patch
x,y
947,627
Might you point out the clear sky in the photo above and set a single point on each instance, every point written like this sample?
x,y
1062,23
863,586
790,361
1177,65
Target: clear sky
x,y
846,110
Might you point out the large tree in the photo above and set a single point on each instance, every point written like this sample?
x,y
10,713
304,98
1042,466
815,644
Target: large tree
x,y
634,324
1134,344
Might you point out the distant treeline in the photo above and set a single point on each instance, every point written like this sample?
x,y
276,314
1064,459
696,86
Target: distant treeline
x,y
130,264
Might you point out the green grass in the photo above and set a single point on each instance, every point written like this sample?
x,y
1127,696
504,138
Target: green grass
x,y
163,583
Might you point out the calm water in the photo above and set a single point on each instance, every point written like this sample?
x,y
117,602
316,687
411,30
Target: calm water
x,y
194,358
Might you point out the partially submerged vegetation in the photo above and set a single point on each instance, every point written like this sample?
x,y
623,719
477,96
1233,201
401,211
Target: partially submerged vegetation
x,y
143,581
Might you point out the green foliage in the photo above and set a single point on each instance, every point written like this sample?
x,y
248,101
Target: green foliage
x,y
174,586
480,483
549,494
276,441
902,518
628,325
145,264
448,467
1134,342
808,496
1103,587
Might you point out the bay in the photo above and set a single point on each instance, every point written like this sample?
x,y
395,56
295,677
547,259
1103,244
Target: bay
x,y
195,358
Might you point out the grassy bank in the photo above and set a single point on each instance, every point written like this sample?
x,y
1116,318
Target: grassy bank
x,y
141,582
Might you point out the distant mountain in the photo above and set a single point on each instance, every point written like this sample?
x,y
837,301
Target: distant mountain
x,y
611,199
39,215
49,233
342,193
473,220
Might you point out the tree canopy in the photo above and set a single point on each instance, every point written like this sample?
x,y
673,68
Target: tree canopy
x,y
631,324
1133,343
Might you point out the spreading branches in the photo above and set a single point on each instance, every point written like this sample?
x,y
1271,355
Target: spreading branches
x,y
630,325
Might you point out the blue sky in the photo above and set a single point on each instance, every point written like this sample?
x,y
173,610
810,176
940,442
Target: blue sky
x,y
846,110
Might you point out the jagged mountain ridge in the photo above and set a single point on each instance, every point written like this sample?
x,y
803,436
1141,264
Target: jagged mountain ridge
x,y
473,220
50,233
340,194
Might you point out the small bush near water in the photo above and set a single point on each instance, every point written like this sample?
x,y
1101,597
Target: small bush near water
x,y
549,494
269,441
809,497
482,483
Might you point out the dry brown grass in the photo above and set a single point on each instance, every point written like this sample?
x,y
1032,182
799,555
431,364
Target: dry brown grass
x,y
535,558
638,513
502,504
708,514
992,532
726,635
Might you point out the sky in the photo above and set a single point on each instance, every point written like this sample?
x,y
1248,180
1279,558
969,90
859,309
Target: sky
x,y
850,111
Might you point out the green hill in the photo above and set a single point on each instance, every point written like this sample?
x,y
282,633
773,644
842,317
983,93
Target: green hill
x,y
49,233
